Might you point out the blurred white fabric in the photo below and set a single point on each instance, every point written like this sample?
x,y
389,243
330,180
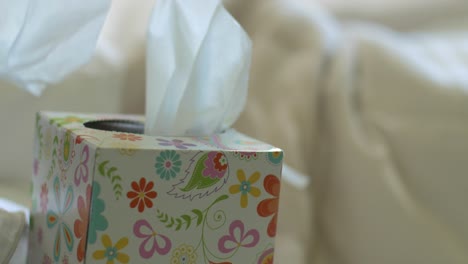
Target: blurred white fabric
x,y
13,232
392,187
37,37
386,137
402,15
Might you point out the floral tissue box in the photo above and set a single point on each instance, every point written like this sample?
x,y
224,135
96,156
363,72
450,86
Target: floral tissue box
x,y
101,196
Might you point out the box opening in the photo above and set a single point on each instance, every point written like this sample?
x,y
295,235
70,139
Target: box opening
x,y
126,126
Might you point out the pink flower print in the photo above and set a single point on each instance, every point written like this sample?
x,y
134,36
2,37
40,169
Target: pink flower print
x,y
244,155
81,224
176,143
44,197
82,171
153,241
130,137
215,165
36,167
238,238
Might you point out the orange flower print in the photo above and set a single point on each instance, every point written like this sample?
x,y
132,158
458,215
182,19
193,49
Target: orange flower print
x,y
129,137
269,207
81,225
266,257
142,194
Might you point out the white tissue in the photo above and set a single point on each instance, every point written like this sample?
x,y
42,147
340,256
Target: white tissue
x,y
42,41
198,61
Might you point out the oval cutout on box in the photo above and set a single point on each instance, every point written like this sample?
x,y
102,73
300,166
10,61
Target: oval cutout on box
x,y
126,126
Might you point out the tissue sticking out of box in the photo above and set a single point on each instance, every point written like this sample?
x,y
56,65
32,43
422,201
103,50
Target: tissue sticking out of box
x,y
41,42
198,61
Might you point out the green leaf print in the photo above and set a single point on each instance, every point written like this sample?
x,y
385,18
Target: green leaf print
x,y
199,180
193,219
40,135
205,174
54,158
63,121
178,222
111,174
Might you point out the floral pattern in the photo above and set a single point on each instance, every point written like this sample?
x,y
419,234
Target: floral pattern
x,y
61,121
141,195
275,158
54,219
168,164
237,238
105,169
184,254
82,171
213,141
206,173
152,241
269,207
112,252
66,153
243,155
266,257
81,224
208,230
129,137
180,144
97,221
44,197
215,165
245,187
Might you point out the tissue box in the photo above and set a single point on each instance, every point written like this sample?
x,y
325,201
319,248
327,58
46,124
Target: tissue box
x,y
101,196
